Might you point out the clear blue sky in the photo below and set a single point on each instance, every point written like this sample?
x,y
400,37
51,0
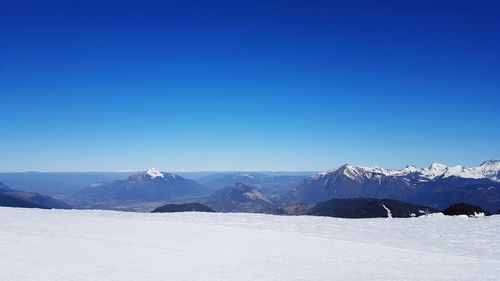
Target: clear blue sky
x,y
247,85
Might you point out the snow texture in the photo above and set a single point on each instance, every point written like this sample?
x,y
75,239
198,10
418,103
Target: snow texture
x,y
154,173
107,245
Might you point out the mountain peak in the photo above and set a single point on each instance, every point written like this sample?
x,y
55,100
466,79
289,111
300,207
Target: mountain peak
x,y
410,169
437,166
491,169
464,172
154,173
490,163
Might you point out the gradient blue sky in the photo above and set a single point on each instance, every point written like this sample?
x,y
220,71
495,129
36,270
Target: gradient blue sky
x,y
247,85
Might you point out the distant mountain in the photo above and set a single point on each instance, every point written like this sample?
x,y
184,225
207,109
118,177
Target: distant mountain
x,y
188,207
239,198
151,185
274,186
435,186
17,198
358,208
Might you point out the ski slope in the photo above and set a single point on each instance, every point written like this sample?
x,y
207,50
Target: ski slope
x,y
106,245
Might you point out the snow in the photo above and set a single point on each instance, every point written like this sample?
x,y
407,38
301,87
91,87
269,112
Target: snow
x,y
434,170
389,214
353,172
106,245
153,173
324,173
409,169
491,169
463,172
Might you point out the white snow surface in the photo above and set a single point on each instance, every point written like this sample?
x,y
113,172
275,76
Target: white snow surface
x,y
154,173
107,245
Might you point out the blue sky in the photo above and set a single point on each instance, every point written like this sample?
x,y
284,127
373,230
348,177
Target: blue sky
x,y
247,85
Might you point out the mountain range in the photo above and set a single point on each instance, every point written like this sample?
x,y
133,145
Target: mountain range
x,y
437,185
274,186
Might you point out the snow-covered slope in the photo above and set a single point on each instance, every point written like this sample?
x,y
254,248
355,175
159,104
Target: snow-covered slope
x,y
106,245
491,169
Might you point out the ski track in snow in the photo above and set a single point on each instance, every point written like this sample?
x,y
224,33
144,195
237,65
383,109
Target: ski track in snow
x,y
107,245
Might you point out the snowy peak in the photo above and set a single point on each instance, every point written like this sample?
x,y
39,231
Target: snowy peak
x,y
463,172
491,163
357,172
350,171
488,169
437,166
409,169
434,170
491,169
154,173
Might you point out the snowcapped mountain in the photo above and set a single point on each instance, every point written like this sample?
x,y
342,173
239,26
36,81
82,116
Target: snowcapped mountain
x,y
149,186
487,170
491,169
153,174
436,183
441,170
